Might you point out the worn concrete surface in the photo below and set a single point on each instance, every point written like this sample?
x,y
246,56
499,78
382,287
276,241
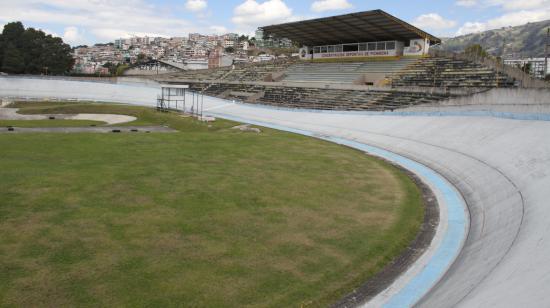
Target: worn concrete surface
x,y
500,166
110,119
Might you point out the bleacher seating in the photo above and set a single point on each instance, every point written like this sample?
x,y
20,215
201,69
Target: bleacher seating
x,y
207,74
248,72
408,72
446,72
318,98
257,72
240,83
345,72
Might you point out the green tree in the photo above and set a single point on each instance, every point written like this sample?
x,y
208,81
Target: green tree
x,y
31,46
229,49
56,55
476,50
111,66
1,50
13,61
141,58
12,33
526,68
31,51
121,68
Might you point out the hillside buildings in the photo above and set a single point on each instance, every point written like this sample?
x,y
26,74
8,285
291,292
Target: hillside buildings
x,y
192,51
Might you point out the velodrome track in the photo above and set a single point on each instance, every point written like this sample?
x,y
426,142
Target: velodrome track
x,y
501,167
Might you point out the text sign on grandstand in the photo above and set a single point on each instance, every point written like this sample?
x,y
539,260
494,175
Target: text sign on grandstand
x,y
373,53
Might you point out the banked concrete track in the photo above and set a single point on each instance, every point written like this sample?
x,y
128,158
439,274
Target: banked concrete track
x,y
500,166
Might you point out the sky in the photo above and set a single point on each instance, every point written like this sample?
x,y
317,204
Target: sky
x,y
99,21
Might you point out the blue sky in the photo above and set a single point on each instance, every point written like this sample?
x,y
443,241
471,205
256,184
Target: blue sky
x,y
91,21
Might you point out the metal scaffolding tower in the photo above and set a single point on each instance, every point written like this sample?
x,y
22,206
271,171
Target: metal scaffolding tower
x,y
173,97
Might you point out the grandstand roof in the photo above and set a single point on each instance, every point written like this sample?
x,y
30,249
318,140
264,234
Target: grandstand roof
x,y
375,25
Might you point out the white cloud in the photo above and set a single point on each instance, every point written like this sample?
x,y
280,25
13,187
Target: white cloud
x,y
506,20
471,27
73,36
433,21
330,5
50,32
107,20
253,13
512,5
196,5
467,3
507,5
219,29
515,12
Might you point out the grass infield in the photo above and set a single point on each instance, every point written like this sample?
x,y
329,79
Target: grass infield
x,y
205,217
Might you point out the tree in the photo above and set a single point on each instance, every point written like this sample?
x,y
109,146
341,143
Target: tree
x,y
229,49
141,58
13,61
526,68
56,55
476,50
121,68
31,46
12,33
31,51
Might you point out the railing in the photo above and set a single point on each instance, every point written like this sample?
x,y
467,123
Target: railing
x,y
524,80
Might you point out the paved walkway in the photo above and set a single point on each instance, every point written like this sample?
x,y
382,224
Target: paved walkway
x,y
89,129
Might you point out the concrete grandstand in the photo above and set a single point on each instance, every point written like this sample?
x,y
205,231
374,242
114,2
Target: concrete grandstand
x,y
362,61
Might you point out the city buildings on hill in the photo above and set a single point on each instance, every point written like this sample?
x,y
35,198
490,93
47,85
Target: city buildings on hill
x,y
195,51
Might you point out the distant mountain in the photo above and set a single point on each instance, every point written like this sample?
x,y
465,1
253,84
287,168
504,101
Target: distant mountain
x,y
519,41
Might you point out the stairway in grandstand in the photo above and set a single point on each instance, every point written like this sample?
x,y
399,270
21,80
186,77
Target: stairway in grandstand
x,y
344,72
447,72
